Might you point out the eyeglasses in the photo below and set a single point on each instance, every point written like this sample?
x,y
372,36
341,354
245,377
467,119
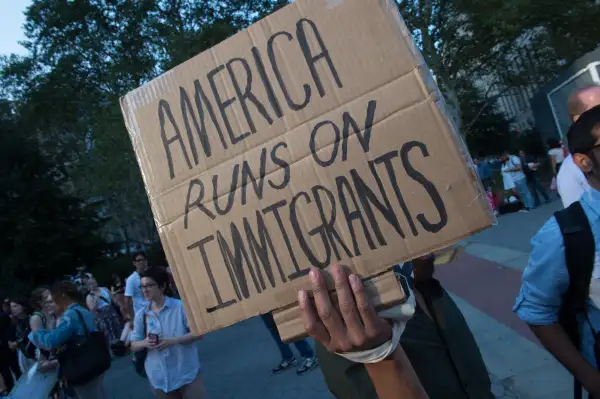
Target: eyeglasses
x,y
593,148
140,260
148,286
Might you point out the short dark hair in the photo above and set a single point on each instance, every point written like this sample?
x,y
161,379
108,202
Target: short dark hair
x,y
37,298
136,254
24,302
159,275
581,135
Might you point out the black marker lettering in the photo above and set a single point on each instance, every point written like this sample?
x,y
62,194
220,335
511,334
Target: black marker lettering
x,y
259,249
200,245
200,99
248,177
429,187
186,113
235,261
329,222
367,199
197,203
286,238
266,82
165,108
283,165
311,59
313,143
223,105
343,185
299,235
277,72
245,95
363,138
230,195
386,159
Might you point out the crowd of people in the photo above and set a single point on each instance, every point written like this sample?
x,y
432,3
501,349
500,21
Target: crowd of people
x,y
431,353
521,186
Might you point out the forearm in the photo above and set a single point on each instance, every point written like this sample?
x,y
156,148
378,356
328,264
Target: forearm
x,y
395,378
137,346
129,307
555,339
186,339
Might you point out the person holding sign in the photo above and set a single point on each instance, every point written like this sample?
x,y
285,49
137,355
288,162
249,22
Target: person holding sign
x,y
358,328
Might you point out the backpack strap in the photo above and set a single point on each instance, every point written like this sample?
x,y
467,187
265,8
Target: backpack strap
x,y
580,253
42,316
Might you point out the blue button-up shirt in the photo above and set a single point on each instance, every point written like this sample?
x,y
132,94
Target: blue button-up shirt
x,y
546,278
70,328
177,365
483,170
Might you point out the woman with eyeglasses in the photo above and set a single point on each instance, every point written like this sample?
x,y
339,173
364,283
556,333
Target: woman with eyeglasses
x,y
161,328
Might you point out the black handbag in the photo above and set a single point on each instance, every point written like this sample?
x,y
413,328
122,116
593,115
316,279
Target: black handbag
x,y
83,361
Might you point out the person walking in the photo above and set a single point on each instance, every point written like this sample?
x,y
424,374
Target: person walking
x,y
108,320
161,329
76,323
25,349
511,165
530,168
117,290
134,302
288,360
556,154
484,172
6,354
560,293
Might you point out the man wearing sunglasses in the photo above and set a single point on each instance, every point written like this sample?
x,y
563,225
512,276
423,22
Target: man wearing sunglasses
x,y
560,292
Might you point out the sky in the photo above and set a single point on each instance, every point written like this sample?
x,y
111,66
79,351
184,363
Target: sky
x,y
11,21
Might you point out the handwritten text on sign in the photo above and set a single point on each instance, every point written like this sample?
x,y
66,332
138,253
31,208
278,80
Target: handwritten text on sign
x,y
247,245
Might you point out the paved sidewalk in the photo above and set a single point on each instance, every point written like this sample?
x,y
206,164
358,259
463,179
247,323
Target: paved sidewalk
x,y
237,361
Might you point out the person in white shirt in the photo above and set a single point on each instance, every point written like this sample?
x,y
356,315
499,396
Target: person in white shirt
x,y
134,297
556,153
511,165
570,180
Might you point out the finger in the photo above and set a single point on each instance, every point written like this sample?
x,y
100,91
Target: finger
x,y
312,324
327,313
365,308
350,314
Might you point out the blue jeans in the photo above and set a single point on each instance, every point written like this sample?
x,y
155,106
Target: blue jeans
x,y
286,353
523,190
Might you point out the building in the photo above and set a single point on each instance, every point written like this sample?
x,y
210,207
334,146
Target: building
x,y
549,104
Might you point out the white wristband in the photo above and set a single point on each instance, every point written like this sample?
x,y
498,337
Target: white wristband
x,y
399,315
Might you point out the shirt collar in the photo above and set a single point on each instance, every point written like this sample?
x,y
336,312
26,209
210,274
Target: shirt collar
x,y
591,198
168,303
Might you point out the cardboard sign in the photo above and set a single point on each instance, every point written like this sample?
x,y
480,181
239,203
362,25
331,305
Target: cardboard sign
x,y
316,136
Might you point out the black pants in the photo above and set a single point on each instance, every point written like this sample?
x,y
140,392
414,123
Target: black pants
x,y
8,362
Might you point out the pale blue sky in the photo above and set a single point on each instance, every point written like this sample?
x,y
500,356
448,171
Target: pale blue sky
x,y
11,21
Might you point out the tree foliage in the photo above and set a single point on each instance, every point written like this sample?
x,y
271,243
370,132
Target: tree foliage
x,y
45,232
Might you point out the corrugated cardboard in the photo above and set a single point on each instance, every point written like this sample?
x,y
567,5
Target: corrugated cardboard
x,y
315,136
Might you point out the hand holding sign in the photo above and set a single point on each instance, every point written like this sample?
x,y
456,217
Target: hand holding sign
x,y
357,327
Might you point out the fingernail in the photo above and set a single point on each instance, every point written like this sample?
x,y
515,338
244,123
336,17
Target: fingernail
x,y
313,275
354,281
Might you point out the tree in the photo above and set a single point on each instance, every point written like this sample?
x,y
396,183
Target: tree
x,y
45,232
82,57
490,133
